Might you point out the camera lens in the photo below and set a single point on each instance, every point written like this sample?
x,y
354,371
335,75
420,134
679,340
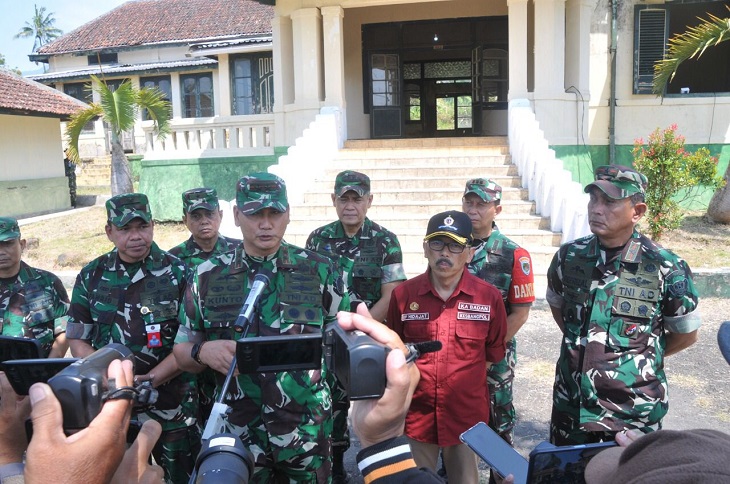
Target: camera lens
x,y
224,458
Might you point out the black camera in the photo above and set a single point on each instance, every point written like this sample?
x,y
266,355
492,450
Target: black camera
x,y
357,360
223,458
83,387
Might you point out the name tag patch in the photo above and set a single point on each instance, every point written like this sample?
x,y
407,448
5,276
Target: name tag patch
x,y
480,308
414,317
463,315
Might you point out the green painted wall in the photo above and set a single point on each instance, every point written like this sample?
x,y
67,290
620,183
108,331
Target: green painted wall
x,y
32,197
581,161
164,180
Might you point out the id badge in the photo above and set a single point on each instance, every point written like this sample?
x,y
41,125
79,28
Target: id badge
x,y
154,339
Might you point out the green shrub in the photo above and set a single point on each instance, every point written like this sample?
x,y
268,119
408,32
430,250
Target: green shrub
x,y
674,175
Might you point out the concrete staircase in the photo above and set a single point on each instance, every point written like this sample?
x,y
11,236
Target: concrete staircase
x,y
95,173
412,179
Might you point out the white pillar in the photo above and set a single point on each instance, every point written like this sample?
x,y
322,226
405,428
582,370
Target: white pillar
x,y
224,86
283,58
549,48
577,44
517,19
176,93
307,43
334,52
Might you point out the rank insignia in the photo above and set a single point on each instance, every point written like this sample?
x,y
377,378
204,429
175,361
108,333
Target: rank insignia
x,y
525,265
625,306
414,306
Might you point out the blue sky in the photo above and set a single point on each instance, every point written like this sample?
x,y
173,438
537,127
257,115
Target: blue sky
x,y
69,14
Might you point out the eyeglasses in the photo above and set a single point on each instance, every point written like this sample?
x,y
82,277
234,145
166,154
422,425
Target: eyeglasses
x,y
438,245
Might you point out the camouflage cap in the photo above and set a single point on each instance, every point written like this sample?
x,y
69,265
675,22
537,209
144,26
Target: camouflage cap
x,y
257,191
122,209
352,180
618,181
452,224
196,198
9,229
487,190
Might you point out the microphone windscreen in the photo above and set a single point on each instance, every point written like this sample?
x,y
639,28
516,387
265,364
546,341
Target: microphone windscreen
x,y
723,339
429,346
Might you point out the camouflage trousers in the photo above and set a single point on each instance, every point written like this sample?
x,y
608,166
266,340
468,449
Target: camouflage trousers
x,y
567,430
176,452
206,395
302,456
500,379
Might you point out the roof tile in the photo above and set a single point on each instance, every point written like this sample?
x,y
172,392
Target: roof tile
x,y
26,96
144,22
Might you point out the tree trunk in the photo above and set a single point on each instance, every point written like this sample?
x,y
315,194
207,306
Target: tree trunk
x,y
121,173
719,208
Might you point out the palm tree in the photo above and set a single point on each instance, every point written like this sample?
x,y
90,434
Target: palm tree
x,y
41,28
687,45
119,109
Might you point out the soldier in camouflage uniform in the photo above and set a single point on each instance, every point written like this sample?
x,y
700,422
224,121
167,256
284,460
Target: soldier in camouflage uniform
x,y
623,304
370,261
508,267
33,302
202,216
132,296
283,418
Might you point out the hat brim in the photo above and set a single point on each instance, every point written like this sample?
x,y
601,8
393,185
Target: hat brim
x,y
351,188
456,237
131,216
250,208
206,206
611,190
490,197
9,236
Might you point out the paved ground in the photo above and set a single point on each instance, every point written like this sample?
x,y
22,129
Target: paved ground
x,y
699,380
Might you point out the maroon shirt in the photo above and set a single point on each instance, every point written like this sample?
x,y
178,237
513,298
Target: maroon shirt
x,y
452,394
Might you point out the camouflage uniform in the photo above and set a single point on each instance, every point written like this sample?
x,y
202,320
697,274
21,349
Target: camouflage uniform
x,y
616,306
34,305
508,267
283,418
118,302
192,255
366,261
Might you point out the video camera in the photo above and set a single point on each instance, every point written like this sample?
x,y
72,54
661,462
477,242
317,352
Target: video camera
x,y
81,385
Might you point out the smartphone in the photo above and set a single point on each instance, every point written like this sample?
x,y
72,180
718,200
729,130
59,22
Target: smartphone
x,y
493,450
279,353
17,348
22,374
563,464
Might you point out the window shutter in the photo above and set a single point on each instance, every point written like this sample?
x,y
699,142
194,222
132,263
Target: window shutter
x,y
650,40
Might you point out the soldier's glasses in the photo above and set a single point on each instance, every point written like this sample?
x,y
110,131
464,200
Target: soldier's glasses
x,y
438,246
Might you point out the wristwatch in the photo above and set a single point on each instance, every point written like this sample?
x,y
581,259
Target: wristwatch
x,y
195,352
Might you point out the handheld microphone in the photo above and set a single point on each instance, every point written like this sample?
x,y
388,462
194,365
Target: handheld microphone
x,y
723,339
417,349
257,288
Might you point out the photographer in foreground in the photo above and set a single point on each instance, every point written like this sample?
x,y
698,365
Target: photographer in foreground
x,y
93,455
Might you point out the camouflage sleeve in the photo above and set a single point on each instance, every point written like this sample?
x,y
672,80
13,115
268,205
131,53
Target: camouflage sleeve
x,y
61,304
393,262
310,245
191,316
554,295
679,304
522,290
338,297
393,320
80,323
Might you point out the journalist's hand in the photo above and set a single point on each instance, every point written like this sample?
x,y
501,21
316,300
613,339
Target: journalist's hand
x,y
135,467
377,420
91,455
13,412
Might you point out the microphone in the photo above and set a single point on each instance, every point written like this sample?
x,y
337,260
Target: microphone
x,y
257,288
723,339
417,349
